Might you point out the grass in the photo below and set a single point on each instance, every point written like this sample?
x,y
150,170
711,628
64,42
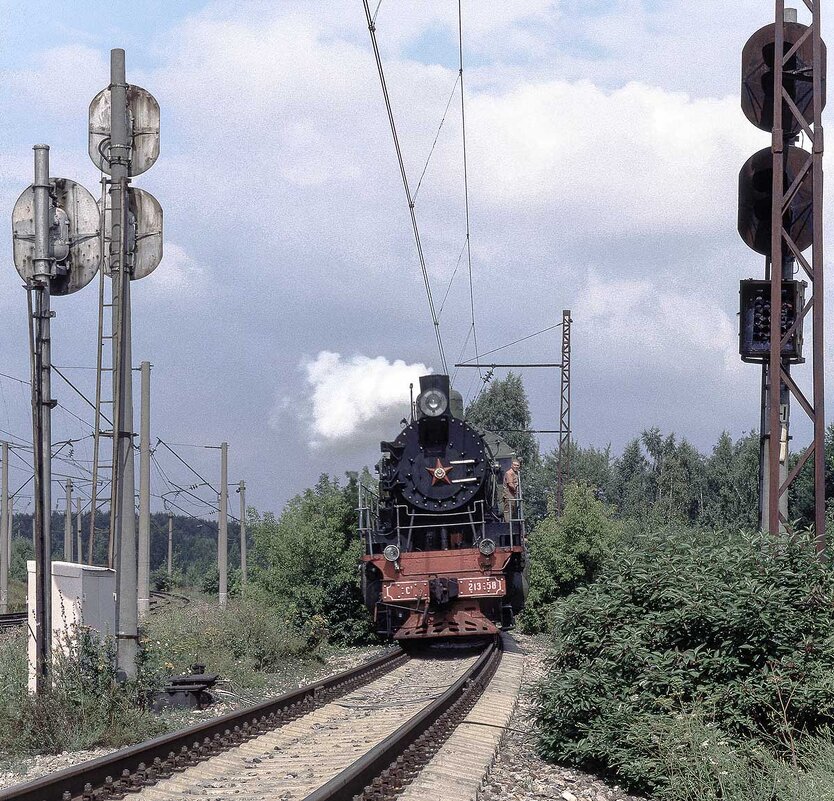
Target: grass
x,y
244,642
703,764
84,708
17,596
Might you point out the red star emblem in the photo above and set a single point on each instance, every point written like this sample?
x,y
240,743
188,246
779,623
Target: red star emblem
x,y
439,472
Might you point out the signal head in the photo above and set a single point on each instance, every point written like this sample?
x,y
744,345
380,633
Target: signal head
x,y
757,76
755,194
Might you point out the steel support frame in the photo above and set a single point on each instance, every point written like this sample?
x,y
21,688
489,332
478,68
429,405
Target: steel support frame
x,y
563,465
781,244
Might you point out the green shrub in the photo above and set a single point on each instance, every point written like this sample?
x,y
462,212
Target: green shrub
x,y
210,581
84,707
309,560
238,642
733,627
566,551
161,581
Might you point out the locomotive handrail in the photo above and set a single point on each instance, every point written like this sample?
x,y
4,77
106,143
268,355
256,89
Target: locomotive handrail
x,y
465,517
517,505
368,513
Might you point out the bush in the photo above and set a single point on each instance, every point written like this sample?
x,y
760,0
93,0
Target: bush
x,y
85,706
567,551
733,628
239,641
309,560
210,582
161,581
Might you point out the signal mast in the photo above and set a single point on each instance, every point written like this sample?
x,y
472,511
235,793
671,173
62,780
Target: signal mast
x,y
780,217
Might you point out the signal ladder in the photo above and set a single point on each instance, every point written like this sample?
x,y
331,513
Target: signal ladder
x,y
104,392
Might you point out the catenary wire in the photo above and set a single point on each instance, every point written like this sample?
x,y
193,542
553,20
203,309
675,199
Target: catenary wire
x,y
466,184
516,341
463,348
80,395
177,489
377,10
204,480
454,273
417,241
436,137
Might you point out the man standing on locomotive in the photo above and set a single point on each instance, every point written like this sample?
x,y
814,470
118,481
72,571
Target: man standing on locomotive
x,y
511,491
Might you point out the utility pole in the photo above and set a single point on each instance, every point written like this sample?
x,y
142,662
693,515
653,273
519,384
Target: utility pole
x,y
68,522
42,404
122,519
170,543
222,531
5,530
563,465
242,490
145,491
79,557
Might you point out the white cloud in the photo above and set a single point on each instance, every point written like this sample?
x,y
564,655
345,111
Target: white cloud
x,y
359,394
58,81
627,161
639,324
178,270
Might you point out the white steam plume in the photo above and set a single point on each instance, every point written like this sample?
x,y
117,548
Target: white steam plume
x,y
358,395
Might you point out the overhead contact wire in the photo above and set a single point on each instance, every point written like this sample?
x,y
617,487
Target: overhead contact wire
x,y
516,341
449,285
418,243
169,448
436,137
466,183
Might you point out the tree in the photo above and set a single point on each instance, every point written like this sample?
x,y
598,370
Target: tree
x,y
731,496
801,497
679,483
309,557
503,408
593,466
590,465
566,551
663,485
632,482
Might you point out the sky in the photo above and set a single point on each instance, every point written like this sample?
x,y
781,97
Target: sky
x,y
288,316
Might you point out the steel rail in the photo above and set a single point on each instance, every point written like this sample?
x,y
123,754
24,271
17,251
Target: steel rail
x,y
126,770
393,753
12,619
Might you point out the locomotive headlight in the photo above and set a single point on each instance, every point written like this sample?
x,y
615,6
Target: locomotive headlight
x,y
433,403
486,546
391,553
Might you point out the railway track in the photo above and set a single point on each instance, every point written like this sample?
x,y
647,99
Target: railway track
x,y
10,620
365,733
159,600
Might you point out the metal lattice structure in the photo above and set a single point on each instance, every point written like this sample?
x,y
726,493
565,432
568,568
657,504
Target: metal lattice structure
x,y
782,246
563,466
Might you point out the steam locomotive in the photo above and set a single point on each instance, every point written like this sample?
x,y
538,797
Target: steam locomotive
x,y
442,556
